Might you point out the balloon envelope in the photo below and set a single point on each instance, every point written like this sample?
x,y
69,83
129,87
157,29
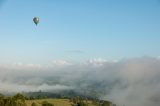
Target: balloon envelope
x,y
36,20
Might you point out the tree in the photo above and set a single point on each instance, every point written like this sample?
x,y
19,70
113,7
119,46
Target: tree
x,y
106,103
34,104
2,102
19,96
82,104
45,103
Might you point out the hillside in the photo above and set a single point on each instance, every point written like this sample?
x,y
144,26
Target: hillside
x,y
21,100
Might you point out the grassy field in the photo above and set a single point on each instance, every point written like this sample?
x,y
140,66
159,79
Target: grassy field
x,y
56,102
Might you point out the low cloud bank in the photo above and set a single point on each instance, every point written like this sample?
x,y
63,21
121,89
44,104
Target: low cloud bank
x,y
132,82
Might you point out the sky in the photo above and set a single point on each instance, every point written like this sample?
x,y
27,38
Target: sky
x,y
77,30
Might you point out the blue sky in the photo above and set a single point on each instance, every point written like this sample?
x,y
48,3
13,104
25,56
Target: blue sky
x,y
78,30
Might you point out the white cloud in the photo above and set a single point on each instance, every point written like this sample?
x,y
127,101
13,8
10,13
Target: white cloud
x,y
46,87
96,61
133,82
13,87
100,61
20,65
61,63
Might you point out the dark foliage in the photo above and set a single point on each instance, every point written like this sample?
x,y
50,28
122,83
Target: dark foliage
x,y
34,104
45,103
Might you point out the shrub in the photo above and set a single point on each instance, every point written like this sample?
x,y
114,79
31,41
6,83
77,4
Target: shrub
x,y
45,103
34,104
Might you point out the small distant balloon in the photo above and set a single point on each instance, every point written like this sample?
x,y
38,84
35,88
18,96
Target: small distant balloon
x,y
36,20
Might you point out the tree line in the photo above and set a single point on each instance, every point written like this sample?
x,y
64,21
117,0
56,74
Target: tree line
x,y
19,100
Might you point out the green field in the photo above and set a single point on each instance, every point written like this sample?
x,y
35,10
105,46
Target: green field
x,y
56,102
63,102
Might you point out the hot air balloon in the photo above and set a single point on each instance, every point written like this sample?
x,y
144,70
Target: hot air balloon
x,y
36,20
